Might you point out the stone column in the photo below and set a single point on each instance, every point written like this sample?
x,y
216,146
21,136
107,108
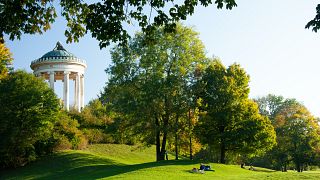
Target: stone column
x,y
82,91
75,93
51,80
66,90
78,106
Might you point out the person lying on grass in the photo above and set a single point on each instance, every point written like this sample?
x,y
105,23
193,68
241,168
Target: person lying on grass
x,y
205,167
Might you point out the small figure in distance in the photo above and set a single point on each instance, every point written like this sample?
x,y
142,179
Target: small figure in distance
x,y
242,165
166,153
194,170
202,166
208,168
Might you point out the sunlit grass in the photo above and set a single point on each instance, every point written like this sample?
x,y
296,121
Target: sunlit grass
x,y
109,161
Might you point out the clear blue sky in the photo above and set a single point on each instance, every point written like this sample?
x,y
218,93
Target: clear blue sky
x,y
266,37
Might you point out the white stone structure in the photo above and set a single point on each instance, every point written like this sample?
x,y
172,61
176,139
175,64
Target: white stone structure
x,y
59,64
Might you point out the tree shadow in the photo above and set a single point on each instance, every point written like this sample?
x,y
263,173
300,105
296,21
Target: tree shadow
x,y
101,171
81,166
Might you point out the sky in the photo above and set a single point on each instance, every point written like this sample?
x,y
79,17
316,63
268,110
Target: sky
x,y
266,37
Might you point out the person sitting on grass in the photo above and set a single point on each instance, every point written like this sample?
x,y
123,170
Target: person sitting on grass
x,y
195,170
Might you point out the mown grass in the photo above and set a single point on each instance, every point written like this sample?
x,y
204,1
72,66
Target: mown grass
x,y
133,162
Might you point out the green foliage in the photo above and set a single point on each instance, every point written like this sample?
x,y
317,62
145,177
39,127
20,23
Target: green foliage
x,y
315,23
106,20
149,82
5,60
94,115
95,136
32,16
28,112
298,134
97,123
230,120
66,134
130,162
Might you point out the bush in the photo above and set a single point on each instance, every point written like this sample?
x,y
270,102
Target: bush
x,y
28,111
67,135
62,143
97,136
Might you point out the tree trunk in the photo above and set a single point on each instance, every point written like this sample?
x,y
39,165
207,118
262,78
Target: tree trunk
x,y
222,146
164,138
222,152
158,153
190,138
176,148
163,146
285,167
298,166
190,142
176,138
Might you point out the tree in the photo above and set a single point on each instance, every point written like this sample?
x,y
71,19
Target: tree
x,y
297,132
231,121
271,105
148,82
28,112
106,20
5,60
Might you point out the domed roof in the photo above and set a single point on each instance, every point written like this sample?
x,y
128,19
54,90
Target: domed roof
x,y
58,51
58,54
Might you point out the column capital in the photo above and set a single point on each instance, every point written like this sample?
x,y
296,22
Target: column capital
x,y
66,72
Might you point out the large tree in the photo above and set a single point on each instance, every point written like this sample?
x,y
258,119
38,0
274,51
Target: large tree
x,y
231,121
28,112
297,132
105,19
148,82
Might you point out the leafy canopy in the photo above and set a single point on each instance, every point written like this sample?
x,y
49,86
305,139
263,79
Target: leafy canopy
x,y
5,60
28,112
107,20
230,120
148,83
315,22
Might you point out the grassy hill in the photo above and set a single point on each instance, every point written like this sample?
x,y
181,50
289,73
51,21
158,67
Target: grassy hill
x,y
106,161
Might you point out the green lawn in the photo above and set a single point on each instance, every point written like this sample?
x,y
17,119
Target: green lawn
x,y
131,162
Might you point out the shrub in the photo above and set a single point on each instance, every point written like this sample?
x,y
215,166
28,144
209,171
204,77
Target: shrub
x,y
67,135
28,111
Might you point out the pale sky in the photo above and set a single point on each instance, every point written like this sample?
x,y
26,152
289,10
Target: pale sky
x,y
266,37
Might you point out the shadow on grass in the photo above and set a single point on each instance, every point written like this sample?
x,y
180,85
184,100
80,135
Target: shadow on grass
x,y
101,171
258,169
80,166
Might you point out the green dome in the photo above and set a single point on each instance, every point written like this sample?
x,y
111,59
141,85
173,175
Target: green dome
x,y
58,54
58,51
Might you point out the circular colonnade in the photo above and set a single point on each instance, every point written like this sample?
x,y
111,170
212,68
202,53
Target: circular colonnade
x,y
59,64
